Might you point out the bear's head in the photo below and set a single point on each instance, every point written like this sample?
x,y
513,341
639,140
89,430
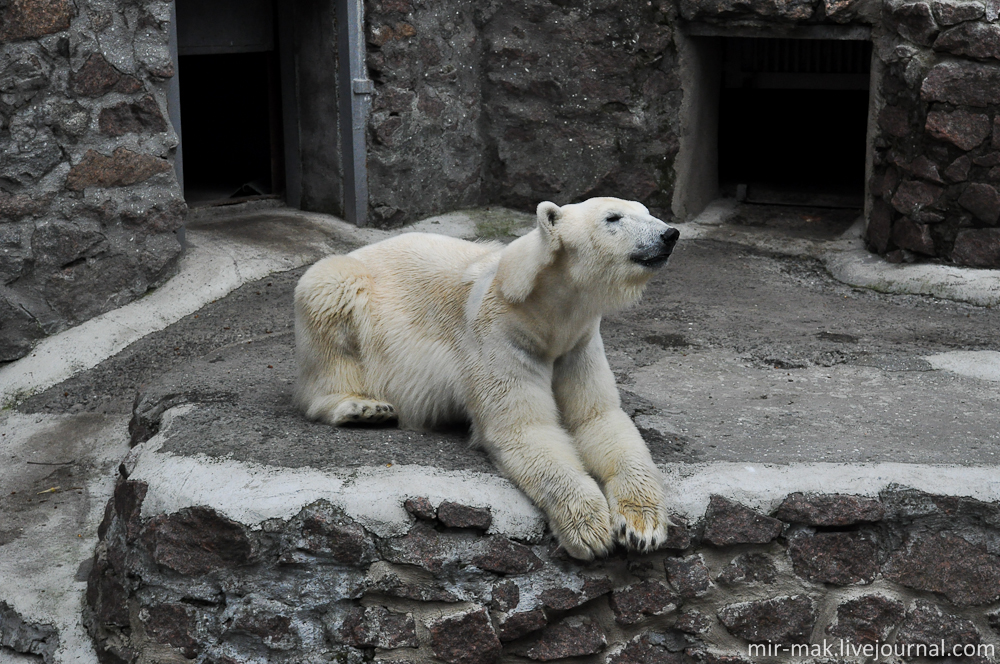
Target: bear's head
x,y
606,246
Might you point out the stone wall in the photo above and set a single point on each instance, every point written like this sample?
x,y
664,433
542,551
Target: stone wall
x,y
89,203
936,185
817,580
517,102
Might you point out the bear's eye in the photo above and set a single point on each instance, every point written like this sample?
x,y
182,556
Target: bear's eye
x,y
613,217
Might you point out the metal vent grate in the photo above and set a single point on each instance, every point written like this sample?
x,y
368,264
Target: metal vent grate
x,y
802,56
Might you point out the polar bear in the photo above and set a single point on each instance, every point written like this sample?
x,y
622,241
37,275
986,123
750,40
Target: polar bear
x,y
429,330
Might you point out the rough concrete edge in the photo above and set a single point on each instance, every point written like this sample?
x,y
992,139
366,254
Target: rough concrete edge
x,y
253,493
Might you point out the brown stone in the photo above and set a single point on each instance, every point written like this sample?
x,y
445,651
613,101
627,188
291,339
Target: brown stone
x,y
995,140
454,515
122,168
688,576
958,170
977,247
30,19
376,626
988,159
141,117
829,509
781,620
867,619
648,649
499,554
749,568
97,77
945,563
962,83
564,599
127,502
505,596
912,20
422,547
728,523
466,638
982,200
571,637
196,540
513,626
912,196
950,12
106,595
894,121
260,619
20,205
838,558
927,624
963,129
907,234
170,624
880,226
887,187
420,508
924,168
978,40
646,598
328,531
678,534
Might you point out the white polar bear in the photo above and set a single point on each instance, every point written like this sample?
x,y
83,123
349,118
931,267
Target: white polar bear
x,y
432,330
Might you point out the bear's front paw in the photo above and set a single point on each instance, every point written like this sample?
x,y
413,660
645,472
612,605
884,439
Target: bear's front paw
x,y
583,527
364,411
638,512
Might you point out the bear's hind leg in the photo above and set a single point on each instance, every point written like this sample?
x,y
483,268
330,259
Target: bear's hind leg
x,y
331,324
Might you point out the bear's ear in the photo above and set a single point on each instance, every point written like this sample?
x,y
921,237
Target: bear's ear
x,y
525,257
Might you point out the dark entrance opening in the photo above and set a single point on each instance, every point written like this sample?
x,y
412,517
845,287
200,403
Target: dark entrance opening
x,y
230,98
793,117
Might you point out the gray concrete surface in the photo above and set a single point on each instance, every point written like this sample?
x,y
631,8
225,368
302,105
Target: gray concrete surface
x,y
750,370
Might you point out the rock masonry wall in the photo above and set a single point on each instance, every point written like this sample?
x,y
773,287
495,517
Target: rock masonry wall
x,y
512,103
822,577
88,198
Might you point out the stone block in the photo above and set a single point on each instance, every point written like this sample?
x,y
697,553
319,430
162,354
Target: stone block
x,y
512,626
749,568
422,547
829,509
268,620
196,540
386,581
29,19
127,501
564,599
141,117
912,20
958,170
466,638
646,598
688,576
879,229
97,77
977,40
977,247
327,531
782,620
950,12
867,619
576,636
171,624
420,508
982,200
693,622
945,563
454,515
644,649
123,167
962,128
928,624
728,523
895,121
505,596
912,196
501,555
376,626
838,558
961,83
907,234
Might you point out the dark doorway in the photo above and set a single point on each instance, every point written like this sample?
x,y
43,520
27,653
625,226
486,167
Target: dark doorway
x,y
230,98
793,117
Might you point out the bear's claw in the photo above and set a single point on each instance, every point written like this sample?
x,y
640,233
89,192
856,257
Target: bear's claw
x,y
364,411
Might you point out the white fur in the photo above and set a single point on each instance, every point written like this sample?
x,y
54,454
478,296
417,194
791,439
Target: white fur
x,y
430,329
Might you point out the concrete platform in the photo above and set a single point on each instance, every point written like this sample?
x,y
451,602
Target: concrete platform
x,y
752,371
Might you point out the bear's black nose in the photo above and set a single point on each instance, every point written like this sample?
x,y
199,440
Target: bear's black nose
x,y
669,238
